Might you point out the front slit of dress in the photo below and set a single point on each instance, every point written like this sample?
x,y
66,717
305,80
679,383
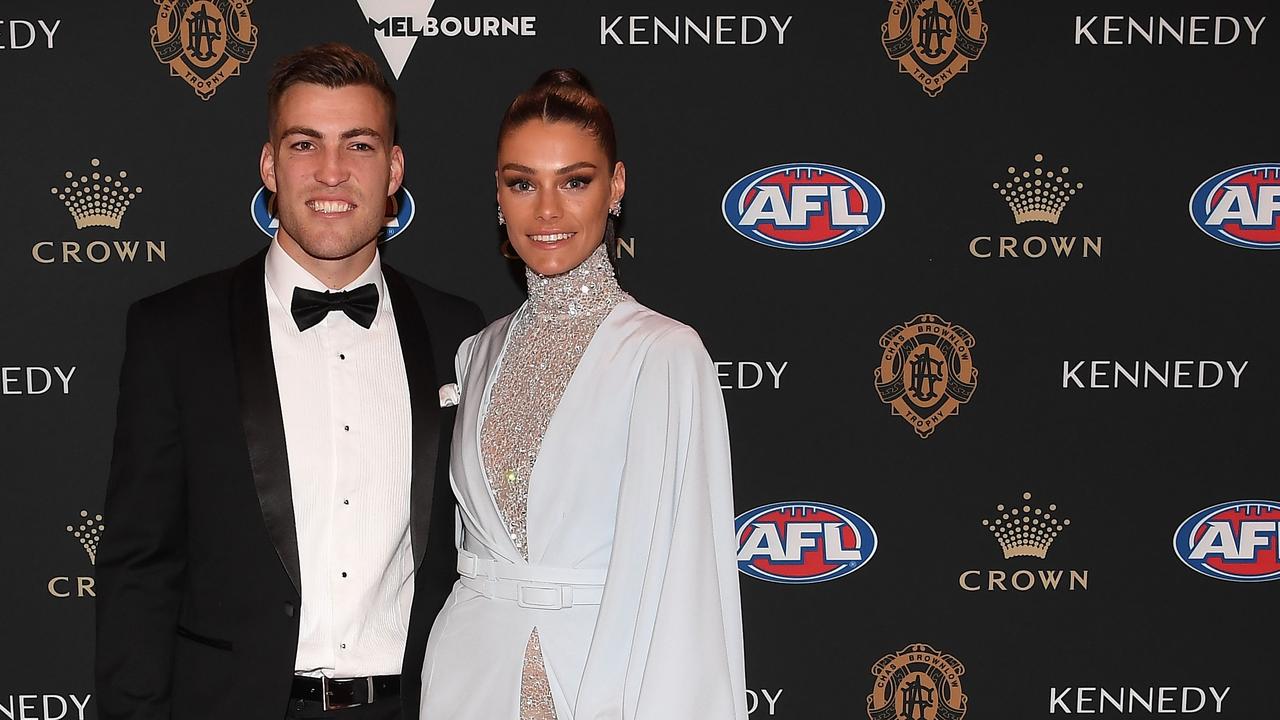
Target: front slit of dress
x,y
562,315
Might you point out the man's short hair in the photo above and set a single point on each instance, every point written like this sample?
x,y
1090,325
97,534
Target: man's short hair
x,y
331,65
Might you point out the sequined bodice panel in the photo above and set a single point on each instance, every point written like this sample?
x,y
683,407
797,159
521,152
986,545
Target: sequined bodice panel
x,y
549,338
545,346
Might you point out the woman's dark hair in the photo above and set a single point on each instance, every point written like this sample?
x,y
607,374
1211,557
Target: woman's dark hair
x,y
565,95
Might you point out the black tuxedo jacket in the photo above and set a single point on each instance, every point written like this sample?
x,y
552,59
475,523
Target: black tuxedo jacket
x,y
198,589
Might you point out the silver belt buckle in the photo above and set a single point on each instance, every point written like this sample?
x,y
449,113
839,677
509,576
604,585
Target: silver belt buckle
x,y
326,693
543,596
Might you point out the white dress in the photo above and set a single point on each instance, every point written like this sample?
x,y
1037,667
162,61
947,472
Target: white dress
x,y
631,487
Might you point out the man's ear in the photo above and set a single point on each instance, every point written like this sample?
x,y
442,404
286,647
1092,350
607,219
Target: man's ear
x,y
397,170
267,166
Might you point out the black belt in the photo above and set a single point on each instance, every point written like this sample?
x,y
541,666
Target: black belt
x,y
339,693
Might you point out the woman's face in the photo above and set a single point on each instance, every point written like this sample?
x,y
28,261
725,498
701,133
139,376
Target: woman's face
x,y
555,187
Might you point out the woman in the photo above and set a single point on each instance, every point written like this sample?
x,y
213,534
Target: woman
x,y
591,466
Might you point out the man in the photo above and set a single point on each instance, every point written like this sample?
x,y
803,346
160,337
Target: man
x,y
282,528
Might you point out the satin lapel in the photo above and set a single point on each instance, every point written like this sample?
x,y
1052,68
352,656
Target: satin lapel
x,y
424,404
260,411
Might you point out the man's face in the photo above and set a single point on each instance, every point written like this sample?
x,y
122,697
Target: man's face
x,y
331,164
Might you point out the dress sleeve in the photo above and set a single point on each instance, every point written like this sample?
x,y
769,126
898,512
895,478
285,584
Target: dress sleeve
x,y
668,640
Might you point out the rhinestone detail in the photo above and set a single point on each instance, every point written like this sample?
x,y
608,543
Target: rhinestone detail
x,y
562,315
536,702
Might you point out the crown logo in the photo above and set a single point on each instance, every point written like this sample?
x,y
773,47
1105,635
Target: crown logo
x,y
1025,531
1037,195
88,532
96,200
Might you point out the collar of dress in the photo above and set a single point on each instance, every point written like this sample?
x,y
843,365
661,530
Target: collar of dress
x,y
587,290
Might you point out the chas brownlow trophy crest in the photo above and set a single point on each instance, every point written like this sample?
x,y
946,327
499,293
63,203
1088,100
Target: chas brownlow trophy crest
x,y
917,683
934,40
204,41
926,371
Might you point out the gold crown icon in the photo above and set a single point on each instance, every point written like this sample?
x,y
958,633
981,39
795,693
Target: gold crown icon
x,y
1025,531
1037,195
94,199
88,532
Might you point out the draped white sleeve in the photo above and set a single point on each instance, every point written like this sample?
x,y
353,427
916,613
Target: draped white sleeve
x,y
668,639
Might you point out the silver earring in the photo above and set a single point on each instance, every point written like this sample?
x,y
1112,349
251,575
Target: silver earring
x,y
616,208
502,220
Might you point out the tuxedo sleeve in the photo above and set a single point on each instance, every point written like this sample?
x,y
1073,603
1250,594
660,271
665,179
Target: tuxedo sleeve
x,y
439,567
142,554
438,571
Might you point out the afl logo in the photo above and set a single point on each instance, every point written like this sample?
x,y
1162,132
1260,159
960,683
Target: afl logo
x,y
800,542
400,209
1238,541
1239,206
803,206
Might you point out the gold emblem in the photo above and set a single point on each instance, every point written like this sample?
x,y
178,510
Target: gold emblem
x,y
917,683
1037,195
204,41
934,40
87,533
1025,532
96,200
926,372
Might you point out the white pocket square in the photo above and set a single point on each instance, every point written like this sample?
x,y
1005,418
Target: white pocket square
x,y
449,395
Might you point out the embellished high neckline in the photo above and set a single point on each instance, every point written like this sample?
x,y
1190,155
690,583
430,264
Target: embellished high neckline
x,y
587,290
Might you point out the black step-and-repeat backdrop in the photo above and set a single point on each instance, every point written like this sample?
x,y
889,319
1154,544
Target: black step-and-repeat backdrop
x,y
988,284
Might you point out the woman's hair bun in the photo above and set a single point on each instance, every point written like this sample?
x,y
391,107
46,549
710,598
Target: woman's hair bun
x,y
563,76
562,95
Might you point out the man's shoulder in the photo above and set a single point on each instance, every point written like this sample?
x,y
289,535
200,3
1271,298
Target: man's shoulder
x,y
200,296
437,303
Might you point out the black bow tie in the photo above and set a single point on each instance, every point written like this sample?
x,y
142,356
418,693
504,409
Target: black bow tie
x,y
310,307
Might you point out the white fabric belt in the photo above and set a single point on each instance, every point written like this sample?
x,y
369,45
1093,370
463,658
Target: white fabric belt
x,y
531,586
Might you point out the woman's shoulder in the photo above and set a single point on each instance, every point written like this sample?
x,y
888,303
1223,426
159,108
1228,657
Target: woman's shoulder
x,y
658,335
